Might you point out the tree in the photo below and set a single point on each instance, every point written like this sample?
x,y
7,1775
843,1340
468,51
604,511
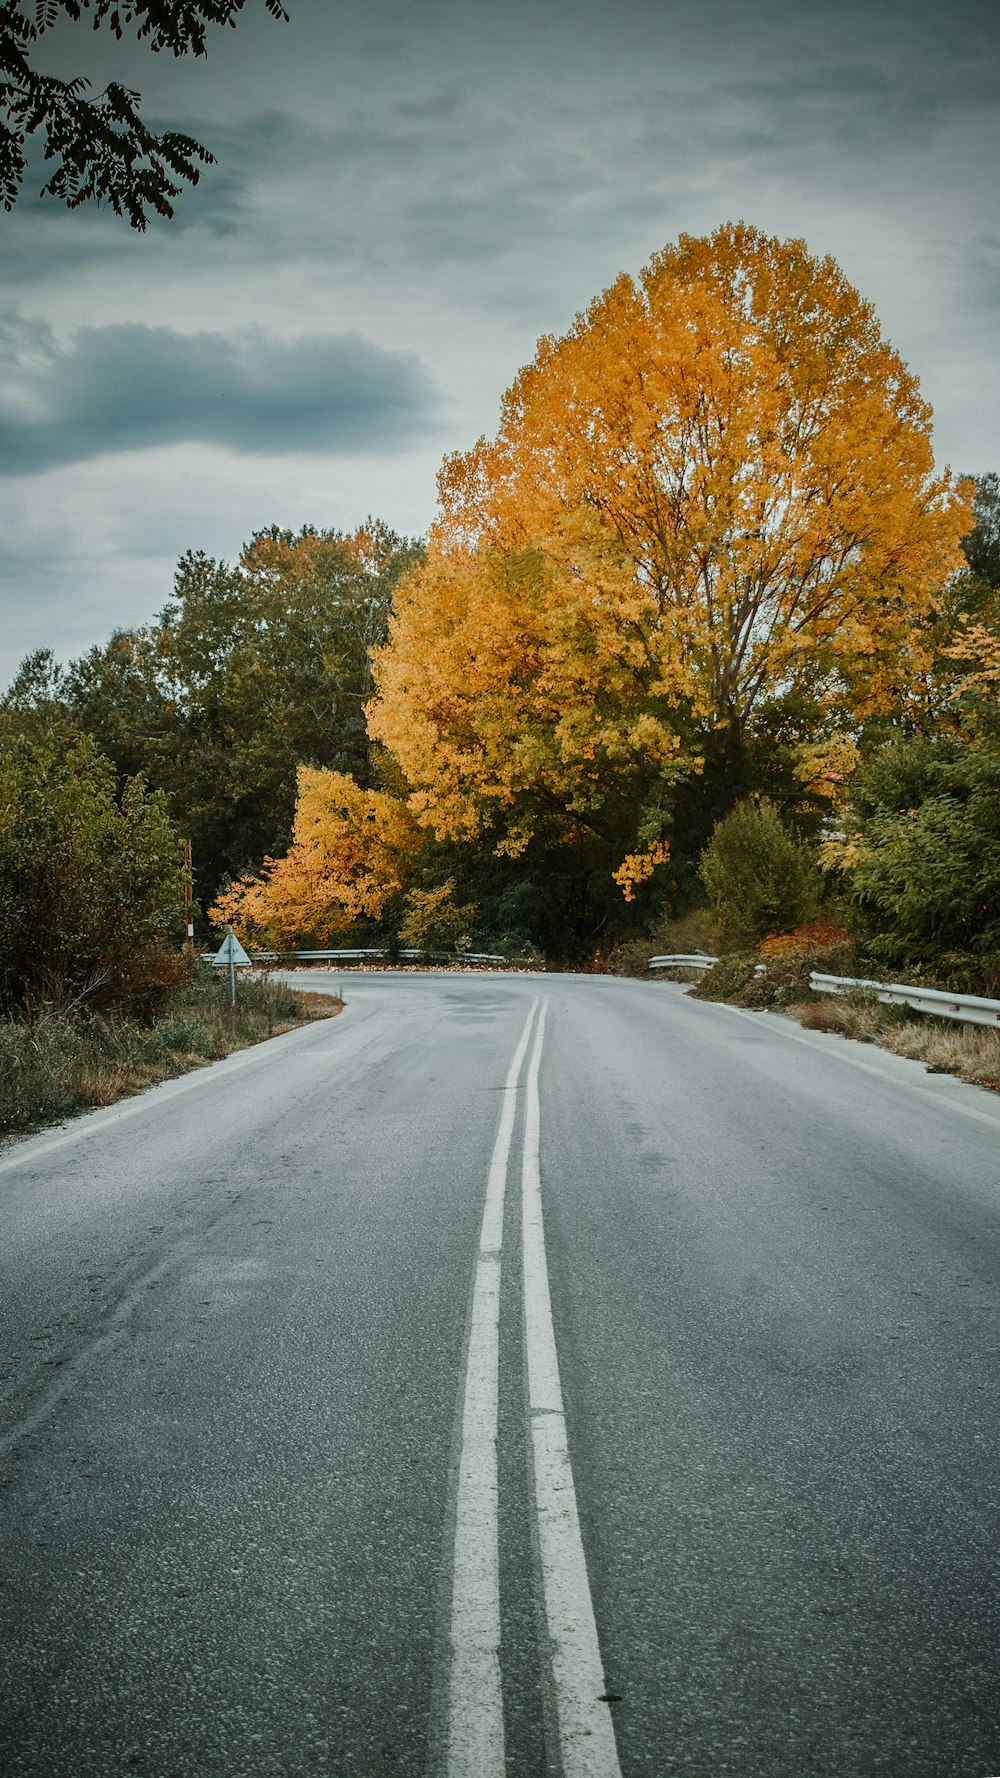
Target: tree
x,y
349,861
91,886
104,151
34,702
435,923
525,725
252,670
707,537
982,544
749,460
918,844
924,851
953,674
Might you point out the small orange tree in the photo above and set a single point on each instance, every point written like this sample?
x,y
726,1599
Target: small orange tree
x,y
349,860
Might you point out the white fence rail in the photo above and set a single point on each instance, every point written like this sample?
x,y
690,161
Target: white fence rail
x,y
968,1009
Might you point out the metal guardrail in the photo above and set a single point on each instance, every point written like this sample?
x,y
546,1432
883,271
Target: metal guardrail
x,y
682,960
968,1009
693,960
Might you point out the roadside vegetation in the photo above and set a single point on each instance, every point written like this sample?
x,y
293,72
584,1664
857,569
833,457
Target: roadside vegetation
x,y
97,997
775,977
783,985
754,878
970,1051
63,1061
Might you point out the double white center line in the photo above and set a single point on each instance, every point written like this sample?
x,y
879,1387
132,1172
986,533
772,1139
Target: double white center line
x,y
475,1714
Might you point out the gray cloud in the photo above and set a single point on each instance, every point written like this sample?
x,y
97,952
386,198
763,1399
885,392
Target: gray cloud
x,y
453,144
132,387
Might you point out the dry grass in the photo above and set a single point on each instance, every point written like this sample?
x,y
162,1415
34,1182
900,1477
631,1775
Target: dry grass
x,y
62,1063
972,1052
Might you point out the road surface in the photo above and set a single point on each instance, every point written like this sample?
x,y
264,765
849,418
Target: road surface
x,y
532,1375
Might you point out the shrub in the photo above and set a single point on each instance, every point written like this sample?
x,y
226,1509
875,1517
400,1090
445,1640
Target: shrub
x,y
61,1062
775,982
760,878
731,979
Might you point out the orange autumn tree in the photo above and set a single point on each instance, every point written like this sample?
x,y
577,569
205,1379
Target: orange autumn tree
x,y
722,479
349,860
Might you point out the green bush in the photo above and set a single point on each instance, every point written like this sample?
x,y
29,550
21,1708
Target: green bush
x,y
90,888
746,979
759,877
730,980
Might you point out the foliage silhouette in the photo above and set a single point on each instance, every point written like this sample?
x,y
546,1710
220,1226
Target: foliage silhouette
x,y
104,151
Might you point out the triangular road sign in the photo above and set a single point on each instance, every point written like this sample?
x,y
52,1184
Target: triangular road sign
x,y
230,951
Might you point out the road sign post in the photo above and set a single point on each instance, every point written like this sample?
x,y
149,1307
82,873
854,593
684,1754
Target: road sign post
x,y
231,954
188,898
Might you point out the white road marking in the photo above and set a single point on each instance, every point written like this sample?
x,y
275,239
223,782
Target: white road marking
x,y
586,1733
475,1705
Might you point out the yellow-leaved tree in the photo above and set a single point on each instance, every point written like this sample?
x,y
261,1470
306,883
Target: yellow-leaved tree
x,y
733,432
716,495
516,706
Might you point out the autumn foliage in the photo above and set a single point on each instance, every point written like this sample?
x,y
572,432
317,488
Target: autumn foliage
x,y
717,489
739,465
513,704
347,862
818,935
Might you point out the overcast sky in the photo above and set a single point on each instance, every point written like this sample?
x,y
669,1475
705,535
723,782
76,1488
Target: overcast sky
x,y
406,196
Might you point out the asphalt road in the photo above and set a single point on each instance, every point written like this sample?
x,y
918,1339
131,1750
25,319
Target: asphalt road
x,y
540,1375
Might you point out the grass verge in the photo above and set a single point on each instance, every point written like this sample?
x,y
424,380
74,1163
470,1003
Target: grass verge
x,y
972,1052
61,1063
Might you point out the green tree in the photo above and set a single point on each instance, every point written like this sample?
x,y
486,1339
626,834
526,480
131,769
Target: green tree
x,y
760,878
91,885
103,150
34,702
925,854
251,671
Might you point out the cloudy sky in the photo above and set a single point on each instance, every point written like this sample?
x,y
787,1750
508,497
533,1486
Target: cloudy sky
x,y
406,196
